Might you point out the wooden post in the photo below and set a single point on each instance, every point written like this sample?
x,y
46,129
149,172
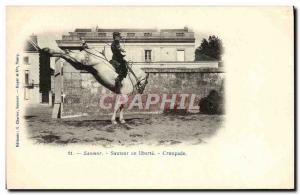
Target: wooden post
x,y
57,108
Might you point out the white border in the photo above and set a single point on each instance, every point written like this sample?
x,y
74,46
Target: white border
x,y
5,3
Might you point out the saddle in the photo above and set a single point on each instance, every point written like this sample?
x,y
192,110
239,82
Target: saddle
x,y
115,64
122,70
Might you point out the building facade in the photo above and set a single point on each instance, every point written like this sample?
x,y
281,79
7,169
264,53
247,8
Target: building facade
x,y
30,72
166,54
31,64
141,45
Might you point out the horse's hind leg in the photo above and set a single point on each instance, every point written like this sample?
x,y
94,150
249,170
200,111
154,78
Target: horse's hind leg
x,y
122,114
119,105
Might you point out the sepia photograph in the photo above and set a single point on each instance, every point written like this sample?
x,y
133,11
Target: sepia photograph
x,y
123,86
150,98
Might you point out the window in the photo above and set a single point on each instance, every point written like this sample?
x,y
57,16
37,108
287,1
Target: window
x,y
179,34
26,60
180,55
130,34
148,55
81,34
147,34
26,77
102,34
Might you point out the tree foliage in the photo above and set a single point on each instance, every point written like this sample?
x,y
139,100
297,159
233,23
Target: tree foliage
x,y
210,49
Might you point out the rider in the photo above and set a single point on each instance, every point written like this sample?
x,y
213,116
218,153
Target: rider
x,y
118,60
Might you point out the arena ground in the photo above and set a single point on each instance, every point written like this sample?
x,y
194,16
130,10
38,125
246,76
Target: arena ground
x,y
155,129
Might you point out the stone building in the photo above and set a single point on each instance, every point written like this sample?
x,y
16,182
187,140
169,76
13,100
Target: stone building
x,y
30,70
141,45
166,54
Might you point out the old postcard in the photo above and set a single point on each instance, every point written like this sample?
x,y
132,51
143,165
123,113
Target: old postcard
x,y
150,97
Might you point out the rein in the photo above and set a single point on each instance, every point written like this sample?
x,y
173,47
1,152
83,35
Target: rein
x,y
96,55
137,86
130,69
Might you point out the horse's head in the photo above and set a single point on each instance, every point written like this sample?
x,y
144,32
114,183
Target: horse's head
x,y
142,84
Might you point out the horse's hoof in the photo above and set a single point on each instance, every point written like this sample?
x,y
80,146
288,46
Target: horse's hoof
x,y
122,121
114,122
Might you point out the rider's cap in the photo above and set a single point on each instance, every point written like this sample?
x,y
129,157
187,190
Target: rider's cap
x,y
116,34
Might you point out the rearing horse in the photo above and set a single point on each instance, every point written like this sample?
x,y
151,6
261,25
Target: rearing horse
x,y
96,63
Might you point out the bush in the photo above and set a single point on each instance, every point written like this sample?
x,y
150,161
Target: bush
x,y
209,50
212,104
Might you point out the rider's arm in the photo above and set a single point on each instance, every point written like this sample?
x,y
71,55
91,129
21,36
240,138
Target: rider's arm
x,y
119,47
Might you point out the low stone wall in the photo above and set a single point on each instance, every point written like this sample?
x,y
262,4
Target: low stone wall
x,y
84,95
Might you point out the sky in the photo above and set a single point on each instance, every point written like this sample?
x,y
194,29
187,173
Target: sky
x,y
50,23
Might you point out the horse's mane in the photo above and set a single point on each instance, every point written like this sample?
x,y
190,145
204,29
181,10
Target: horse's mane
x,y
96,53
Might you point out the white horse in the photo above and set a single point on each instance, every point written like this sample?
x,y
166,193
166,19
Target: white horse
x,y
97,64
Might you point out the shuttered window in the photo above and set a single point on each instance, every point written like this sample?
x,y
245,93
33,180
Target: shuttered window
x,y
148,55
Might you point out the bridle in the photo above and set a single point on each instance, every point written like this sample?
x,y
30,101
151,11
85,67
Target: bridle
x,y
103,58
138,86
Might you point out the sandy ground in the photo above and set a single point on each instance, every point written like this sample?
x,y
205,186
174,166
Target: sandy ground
x,y
162,129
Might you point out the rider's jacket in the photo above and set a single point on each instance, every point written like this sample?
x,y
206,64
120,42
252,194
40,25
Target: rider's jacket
x,y
117,51
118,60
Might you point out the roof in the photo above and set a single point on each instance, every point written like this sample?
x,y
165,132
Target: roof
x,y
132,35
28,46
127,30
83,30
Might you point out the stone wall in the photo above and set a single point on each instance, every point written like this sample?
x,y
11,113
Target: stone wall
x,y
82,93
